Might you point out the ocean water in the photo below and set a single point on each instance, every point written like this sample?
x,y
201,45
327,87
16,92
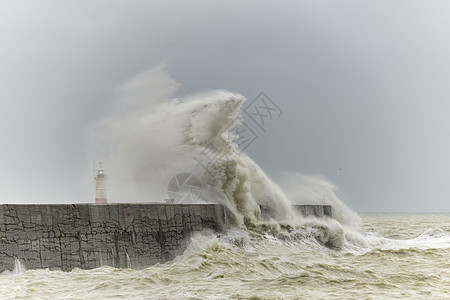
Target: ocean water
x,y
390,256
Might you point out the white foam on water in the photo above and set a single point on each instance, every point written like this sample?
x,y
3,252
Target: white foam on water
x,y
200,241
429,239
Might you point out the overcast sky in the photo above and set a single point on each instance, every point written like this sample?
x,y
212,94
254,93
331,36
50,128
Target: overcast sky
x,y
364,86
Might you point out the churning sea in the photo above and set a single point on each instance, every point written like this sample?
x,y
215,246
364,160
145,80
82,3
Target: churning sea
x,y
391,256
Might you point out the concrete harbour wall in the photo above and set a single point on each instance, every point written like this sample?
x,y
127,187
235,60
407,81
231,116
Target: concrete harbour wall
x,y
304,210
88,236
314,210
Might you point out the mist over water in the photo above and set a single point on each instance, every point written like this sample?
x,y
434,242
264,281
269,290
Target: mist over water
x,y
303,189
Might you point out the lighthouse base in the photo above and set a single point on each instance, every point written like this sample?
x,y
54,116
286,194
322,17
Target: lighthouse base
x,y
101,201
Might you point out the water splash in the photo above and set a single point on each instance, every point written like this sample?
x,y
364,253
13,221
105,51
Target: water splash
x,y
19,268
100,259
128,260
304,189
151,137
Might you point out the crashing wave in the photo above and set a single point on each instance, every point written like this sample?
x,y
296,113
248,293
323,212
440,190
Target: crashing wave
x,y
151,137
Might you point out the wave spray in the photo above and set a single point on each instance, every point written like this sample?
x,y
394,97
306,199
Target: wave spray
x,y
150,136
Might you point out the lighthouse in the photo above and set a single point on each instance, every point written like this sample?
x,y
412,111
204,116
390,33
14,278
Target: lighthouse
x,y
100,185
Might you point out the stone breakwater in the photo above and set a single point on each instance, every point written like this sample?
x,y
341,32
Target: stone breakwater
x,y
88,236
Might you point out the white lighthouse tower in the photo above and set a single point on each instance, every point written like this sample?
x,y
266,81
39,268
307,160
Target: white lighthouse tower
x,y
100,185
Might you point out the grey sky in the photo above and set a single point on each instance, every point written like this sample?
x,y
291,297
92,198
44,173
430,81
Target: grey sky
x,y
365,86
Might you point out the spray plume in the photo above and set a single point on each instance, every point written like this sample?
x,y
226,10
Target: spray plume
x,y
150,137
